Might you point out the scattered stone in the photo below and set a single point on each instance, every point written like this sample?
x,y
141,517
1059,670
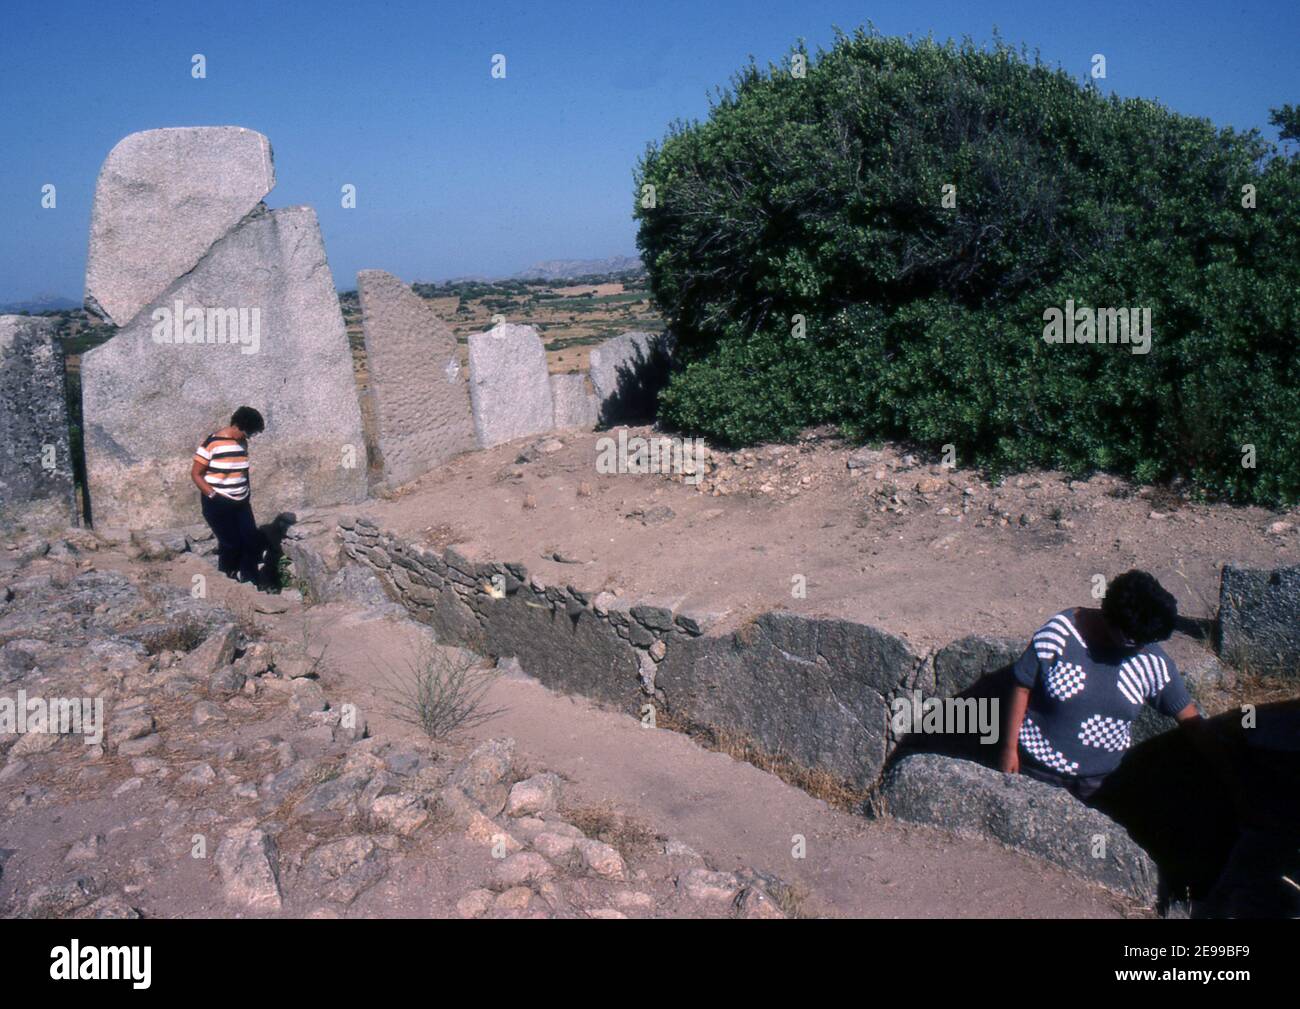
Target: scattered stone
x,y
475,904
344,868
538,794
519,869
482,774
602,860
708,887
248,862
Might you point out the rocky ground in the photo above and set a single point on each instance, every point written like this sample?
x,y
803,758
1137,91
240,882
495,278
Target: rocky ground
x,y
248,766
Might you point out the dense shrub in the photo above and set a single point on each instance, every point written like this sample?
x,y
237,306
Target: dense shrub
x,y
820,196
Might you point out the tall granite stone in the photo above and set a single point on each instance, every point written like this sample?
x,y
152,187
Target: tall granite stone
x,y
419,391
163,198
36,479
576,406
509,387
1259,620
262,328
627,372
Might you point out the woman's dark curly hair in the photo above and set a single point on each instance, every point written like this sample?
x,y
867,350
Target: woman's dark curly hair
x,y
1140,607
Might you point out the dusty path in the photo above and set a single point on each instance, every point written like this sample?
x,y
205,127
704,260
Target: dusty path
x,y
731,812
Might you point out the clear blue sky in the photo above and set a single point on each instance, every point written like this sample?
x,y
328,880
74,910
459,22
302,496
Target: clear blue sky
x,y
458,173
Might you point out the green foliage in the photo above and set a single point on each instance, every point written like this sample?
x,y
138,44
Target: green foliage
x,y
821,197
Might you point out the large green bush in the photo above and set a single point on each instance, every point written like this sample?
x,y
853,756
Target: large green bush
x,y
821,196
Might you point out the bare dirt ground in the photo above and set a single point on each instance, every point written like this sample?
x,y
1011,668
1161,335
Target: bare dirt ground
x,y
880,537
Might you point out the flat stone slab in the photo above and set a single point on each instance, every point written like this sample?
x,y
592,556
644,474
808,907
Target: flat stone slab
x,y
1259,620
163,198
1028,815
510,390
576,405
148,400
419,391
627,372
35,459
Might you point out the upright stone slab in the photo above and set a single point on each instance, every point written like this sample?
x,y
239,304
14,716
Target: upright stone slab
x,y
163,198
420,393
509,388
628,371
148,400
1259,620
36,478
576,406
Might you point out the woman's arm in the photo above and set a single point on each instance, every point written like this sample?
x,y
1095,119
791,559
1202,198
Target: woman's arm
x,y
1009,761
196,474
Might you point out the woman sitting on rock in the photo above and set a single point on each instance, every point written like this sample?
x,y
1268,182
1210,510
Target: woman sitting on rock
x,y
220,471
1082,682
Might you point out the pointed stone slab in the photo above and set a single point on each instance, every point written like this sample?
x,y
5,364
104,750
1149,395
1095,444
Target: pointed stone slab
x,y
419,390
35,461
509,387
147,402
163,198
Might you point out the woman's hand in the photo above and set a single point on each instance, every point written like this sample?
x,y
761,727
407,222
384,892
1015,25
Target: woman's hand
x,y
1009,761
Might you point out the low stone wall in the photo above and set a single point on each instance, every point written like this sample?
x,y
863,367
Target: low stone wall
x,y
816,692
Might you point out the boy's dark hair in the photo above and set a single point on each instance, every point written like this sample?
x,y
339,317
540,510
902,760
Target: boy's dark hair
x,y
1140,607
248,420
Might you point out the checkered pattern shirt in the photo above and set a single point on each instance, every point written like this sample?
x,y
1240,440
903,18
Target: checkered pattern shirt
x,y
1082,703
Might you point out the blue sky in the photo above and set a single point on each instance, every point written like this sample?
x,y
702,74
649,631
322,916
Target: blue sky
x,y
458,173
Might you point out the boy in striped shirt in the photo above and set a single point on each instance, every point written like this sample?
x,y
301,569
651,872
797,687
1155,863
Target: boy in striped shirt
x,y
220,471
1082,682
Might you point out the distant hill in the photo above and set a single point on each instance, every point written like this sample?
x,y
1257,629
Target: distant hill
x,y
568,269
40,303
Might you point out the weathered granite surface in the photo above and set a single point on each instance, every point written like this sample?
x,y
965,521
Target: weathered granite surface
x,y
271,336
420,393
162,200
36,474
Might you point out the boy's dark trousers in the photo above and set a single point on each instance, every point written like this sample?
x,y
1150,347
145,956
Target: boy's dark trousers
x,y
238,543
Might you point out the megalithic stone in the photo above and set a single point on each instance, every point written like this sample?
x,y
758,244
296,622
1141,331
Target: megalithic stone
x,y
255,323
163,198
509,387
418,389
35,463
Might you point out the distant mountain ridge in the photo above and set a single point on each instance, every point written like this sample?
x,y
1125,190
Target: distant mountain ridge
x,y
40,303
565,269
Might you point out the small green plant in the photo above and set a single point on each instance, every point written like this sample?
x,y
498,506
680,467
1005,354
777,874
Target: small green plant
x,y
442,690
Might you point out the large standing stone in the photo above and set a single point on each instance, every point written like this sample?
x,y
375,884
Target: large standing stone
x,y
576,406
419,392
1025,814
148,400
163,199
628,372
35,460
1259,620
508,384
